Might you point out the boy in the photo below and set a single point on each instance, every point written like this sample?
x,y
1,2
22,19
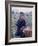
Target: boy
x,y
20,25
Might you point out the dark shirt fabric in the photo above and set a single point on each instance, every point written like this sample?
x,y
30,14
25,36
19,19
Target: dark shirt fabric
x,y
19,25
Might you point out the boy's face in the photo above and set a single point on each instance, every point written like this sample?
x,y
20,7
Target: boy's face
x,y
22,17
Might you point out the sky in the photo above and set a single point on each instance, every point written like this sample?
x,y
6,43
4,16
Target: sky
x,y
21,9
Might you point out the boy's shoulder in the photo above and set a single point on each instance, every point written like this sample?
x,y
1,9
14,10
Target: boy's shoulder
x,y
18,20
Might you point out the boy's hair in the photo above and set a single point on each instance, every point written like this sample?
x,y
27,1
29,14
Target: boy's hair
x,y
22,13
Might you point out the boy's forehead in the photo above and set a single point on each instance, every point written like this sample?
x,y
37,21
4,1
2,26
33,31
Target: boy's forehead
x,y
22,14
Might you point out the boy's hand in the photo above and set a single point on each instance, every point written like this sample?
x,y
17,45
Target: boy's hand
x,y
22,28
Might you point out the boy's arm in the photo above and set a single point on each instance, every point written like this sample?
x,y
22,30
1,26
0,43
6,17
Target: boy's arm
x,y
24,25
17,24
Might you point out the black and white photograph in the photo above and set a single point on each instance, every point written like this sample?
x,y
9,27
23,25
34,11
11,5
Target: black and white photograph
x,y
21,22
